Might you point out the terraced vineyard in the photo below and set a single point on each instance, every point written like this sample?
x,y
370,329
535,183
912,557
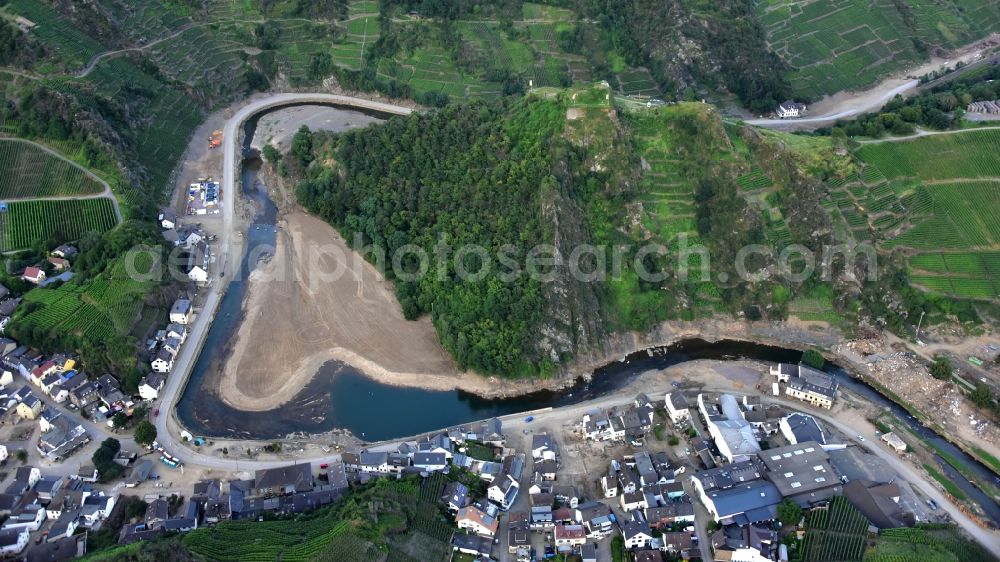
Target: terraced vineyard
x,y
28,222
335,533
27,171
835,534
930,544
105,307
938,204
835,45
964,155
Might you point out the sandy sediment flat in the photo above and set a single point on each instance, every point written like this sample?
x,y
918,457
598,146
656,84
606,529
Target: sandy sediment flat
x,y
300,313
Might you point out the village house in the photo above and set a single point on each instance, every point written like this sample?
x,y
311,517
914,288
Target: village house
x,y
799,428
283,480
597,518
96,508
197,269
636,532
163,362
542,447
475,545
567,537
790,109
430,462
28,517
30,407
180,312
455,496
33,275
65,251
678,407
167,218
807,384
518,532
13,541
149,386
84,395
474,519
58,264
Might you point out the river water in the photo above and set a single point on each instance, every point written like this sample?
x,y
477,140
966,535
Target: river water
x,y
340,397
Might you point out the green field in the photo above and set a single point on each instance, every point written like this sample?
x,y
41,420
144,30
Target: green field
x,y
27,171
27,222
835,45
931,544
835,534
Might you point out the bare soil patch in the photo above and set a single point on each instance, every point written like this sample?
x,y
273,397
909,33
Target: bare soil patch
x,y
301,313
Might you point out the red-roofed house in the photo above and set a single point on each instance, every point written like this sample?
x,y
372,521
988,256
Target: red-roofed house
x,y
474,519
569,535
33,275
39,372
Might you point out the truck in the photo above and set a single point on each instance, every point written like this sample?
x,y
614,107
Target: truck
x,y
215,140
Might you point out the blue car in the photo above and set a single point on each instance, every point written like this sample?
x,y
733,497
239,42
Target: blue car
x,y
529,419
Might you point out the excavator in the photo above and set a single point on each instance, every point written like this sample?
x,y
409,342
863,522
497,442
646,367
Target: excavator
x,y
215,140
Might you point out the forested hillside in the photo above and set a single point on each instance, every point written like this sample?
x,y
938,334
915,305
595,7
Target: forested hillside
x,y
568,169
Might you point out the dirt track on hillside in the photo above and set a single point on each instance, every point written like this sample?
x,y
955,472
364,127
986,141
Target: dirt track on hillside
x,y
300,313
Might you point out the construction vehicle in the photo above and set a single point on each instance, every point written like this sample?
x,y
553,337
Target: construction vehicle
x,y
215,140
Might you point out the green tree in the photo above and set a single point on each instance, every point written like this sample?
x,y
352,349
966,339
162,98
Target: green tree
x,y
941,368
814,359
789,512
120,420
271,154
22,456
145,433
302,146
982,396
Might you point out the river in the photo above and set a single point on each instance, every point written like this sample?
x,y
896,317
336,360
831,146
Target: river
x,y
340,397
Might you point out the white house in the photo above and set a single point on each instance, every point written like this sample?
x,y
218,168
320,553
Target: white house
x,y
198,263
180,312
47,419
503,491
149,386
677,407
29,518
790,109
3,453
430,462
59,394
33,275
637,533
542,447
167,218
609,484
96,508
13,541
163,362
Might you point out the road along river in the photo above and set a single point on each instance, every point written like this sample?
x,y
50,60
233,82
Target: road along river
x,y
341,397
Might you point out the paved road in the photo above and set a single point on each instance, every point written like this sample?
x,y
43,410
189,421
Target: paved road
x,y
229,251
819,120
106,193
